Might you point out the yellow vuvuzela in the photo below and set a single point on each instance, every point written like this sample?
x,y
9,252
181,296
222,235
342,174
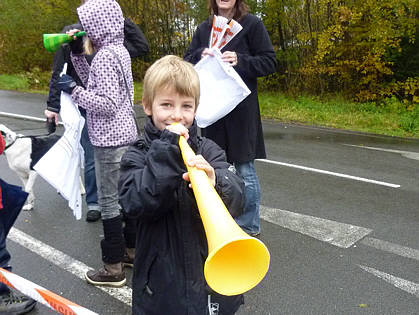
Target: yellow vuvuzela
x,y
236,262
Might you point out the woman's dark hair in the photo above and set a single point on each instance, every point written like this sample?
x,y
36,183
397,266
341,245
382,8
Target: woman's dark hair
x,y
240,9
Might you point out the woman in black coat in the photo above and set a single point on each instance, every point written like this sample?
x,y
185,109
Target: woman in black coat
x,y
240,133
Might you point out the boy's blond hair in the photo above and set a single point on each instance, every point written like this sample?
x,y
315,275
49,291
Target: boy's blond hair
x,y
170,72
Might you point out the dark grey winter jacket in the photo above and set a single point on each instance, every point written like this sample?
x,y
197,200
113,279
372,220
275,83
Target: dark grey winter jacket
x,y
171,243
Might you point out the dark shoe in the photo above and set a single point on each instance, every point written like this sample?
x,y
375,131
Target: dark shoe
x,y
127,262
93,215
104,277
14,303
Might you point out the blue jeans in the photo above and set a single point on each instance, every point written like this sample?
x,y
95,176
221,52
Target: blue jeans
x,y
13,199
89,168
249,220
107,163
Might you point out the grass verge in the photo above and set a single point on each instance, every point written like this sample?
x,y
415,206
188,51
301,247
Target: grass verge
x,y
391,118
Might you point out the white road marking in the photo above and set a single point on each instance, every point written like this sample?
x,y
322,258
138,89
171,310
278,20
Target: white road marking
x,y
339,234
331,173
391,248
405,285
65,262
407,154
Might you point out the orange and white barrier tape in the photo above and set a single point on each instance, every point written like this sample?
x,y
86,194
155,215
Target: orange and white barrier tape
x,y
38,293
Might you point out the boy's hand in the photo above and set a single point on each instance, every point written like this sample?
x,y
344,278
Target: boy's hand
x,y
179,129
199,162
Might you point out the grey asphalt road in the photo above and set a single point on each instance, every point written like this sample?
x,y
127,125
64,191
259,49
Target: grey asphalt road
x,y
359,180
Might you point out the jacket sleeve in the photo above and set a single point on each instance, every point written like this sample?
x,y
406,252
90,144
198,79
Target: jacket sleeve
x,y
53,101
103,98
261,59
134,39
81,66
195,49
149,180
229,184
61,57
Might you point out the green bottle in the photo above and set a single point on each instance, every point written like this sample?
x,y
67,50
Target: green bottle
x,y
52,42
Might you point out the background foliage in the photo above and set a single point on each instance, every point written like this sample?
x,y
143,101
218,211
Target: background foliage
x,y
365,50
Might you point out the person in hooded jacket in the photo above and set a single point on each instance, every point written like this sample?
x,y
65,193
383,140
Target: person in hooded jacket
x,y
137,45
107,98
171,243
240,132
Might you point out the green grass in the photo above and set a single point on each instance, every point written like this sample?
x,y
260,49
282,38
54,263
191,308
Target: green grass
x,y
13,82
390,118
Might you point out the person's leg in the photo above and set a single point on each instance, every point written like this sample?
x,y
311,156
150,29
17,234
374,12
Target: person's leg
x,y
93,209
107,162
249,221
13,199
130,235
4,257
11,302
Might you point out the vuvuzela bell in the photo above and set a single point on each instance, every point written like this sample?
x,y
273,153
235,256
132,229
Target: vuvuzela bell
x,y
52,42
236,262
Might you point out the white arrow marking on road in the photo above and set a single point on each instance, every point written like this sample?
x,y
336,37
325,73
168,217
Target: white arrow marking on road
x,y
335,233
391,248
405,285
361,179
65,262
406,154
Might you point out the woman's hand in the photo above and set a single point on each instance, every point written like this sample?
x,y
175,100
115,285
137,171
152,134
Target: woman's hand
x,y
53,116
199,162
230,57
207,52
73,33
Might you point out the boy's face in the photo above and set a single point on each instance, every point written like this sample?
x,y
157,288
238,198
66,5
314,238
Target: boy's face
x,y
169,107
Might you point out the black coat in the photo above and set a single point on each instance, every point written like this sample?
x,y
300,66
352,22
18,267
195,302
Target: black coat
x,y
134,41
171,243
240,132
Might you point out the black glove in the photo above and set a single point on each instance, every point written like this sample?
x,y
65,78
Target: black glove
x,y
50,125
76,46
66,83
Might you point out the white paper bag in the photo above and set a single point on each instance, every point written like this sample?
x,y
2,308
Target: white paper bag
x,y
222,89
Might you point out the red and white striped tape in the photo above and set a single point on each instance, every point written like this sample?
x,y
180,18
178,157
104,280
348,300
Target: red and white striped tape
x,y
38,293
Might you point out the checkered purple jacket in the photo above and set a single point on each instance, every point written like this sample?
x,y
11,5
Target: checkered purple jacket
x,y
109,113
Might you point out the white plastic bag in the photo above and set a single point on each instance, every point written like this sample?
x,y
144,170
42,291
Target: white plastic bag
x,y
60,166
222,89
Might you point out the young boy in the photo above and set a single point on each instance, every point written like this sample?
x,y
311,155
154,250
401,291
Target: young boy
x,y
171,242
